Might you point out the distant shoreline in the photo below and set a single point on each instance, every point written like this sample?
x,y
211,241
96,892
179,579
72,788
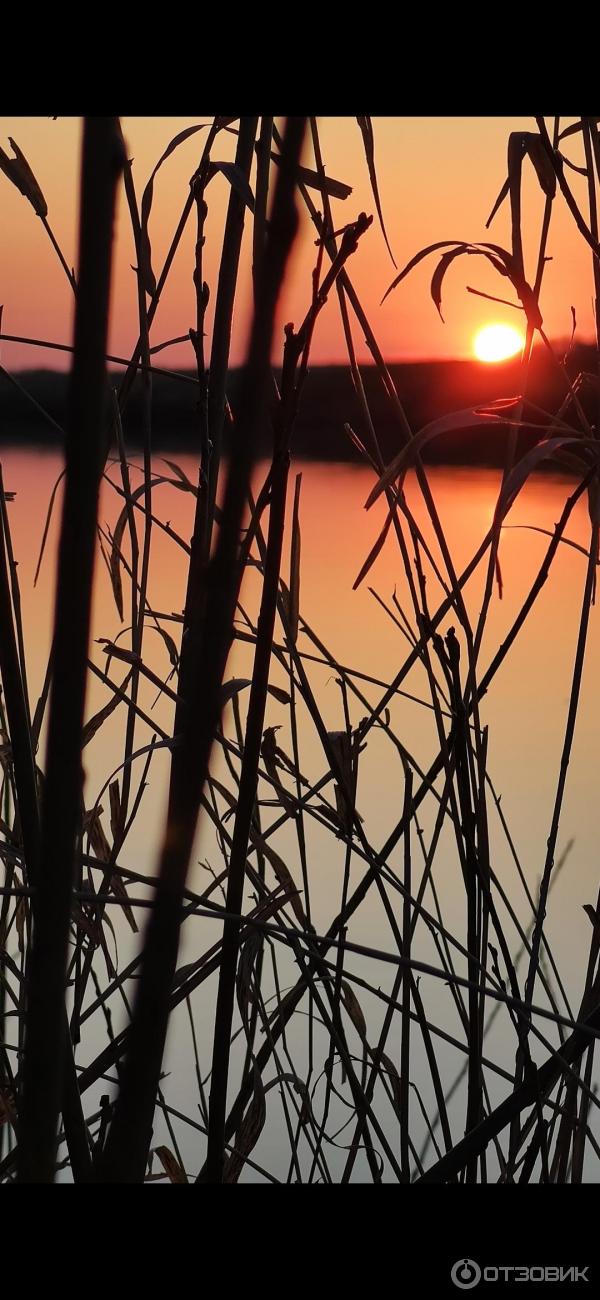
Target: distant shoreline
x,y
426,389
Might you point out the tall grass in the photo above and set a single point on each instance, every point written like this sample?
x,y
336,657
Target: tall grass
x,y
280,1000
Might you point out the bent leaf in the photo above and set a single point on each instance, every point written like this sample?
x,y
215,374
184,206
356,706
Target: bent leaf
x,y
250,1130
542,451
374,552
439,273
171,1166
100,717
414,261
18,171
366,127
575,128
236,179
313,181
470,417
237,684
354,1009
47,524
146,205
545,172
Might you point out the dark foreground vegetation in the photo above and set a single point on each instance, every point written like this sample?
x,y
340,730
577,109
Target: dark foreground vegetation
x,y
366,1060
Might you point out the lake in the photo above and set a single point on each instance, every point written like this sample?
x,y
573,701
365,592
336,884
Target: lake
x,y
525,711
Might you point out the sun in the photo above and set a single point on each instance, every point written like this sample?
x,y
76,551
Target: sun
x,y
497,342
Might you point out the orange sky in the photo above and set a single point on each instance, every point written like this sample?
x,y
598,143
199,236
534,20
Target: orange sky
x,y
438,180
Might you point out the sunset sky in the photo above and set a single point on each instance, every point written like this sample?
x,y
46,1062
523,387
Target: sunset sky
x,y
439,178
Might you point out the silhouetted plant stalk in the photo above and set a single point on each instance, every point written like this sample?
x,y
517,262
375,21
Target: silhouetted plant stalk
x,y
263,167
26,803
296,353
139,578
211,394
127,1145
157,288
102,161
564,762
138,604
19,172
228,274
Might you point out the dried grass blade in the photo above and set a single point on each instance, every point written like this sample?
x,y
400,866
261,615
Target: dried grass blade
x,y
237,684
366,127
469,418
499,201
236,179
542,451
47,525
249,1132
189,486
335,189
283,874
414,261
354,1010
171,1166
575,128
438,276
145,268
294,595
94,724
543,167
374,552
18,171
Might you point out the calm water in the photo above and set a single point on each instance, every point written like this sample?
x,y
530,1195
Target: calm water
x,y
525,710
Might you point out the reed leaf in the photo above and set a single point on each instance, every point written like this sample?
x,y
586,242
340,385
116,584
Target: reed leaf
x,y
18,171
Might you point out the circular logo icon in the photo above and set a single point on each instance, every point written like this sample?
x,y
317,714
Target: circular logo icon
x,y
465,1274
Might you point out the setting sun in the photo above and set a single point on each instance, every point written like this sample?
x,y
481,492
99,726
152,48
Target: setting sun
x,y
497,342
